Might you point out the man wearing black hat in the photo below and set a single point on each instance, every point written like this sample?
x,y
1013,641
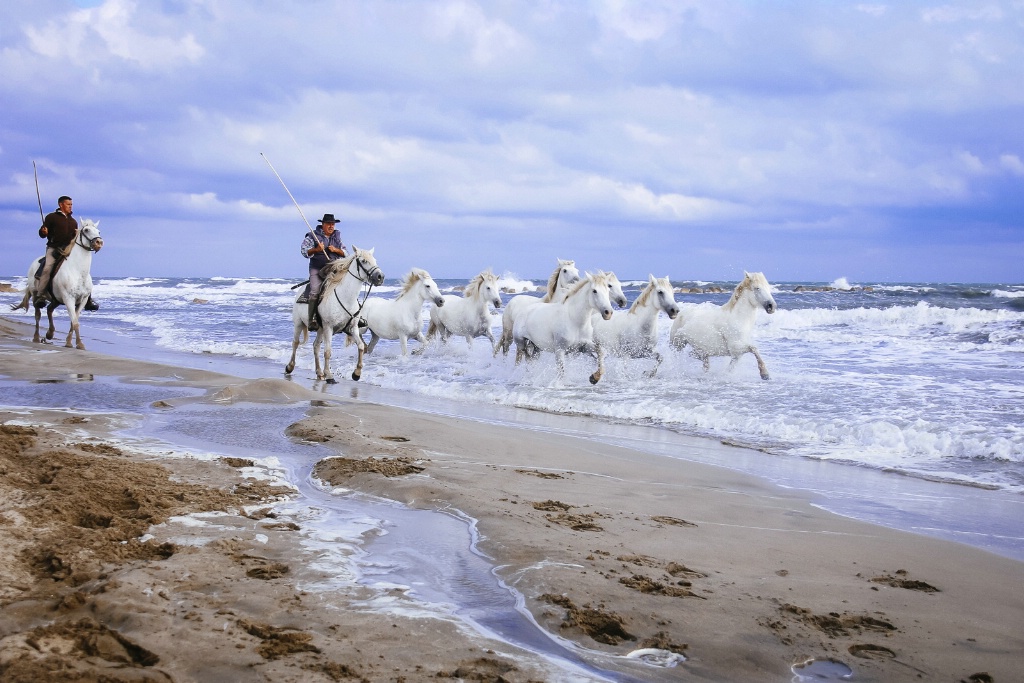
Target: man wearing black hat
x,y
320,246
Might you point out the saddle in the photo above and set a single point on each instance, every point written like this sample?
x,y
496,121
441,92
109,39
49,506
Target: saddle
x,y
57,263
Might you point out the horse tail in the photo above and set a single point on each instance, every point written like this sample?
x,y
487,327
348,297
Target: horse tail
x,y
24,302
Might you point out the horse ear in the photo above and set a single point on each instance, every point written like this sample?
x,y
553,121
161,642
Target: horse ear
x,y
650,278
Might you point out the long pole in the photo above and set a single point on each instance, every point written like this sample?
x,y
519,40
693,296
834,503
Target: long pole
x,y
311,230
38,197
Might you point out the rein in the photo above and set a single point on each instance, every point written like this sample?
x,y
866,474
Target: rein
x,y
369,287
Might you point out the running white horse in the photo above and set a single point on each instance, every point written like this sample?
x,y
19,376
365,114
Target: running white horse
x,y
566,325
563,277
402,317
468,315
634,333
725,330
615,291
338,309
71,285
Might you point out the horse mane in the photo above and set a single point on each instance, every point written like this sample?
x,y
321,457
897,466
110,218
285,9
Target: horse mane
x,y
584,281
744,285
553,280
644,297
472,290
411,278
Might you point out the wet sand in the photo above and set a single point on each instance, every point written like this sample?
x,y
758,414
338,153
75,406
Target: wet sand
x,y
105,577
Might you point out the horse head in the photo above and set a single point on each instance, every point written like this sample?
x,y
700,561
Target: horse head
x,y
486,287
615,291
598,290
759,289
421,278
565,274
363,265
89,235
662,288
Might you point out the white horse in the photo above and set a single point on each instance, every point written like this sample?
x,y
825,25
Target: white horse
x,y
563,277
338,309
615,291
725,330
634,333
71,285
402,317
468,315
566,325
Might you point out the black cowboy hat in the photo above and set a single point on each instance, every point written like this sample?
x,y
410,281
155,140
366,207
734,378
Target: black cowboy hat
x,y
328,218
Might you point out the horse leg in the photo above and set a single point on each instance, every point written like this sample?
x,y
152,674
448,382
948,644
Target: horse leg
x,y
657,364
49,317
761,367
295,347
316,352
35,337
373,342
596,377
73,328
504,343
361,348
404,343
560,362
328,335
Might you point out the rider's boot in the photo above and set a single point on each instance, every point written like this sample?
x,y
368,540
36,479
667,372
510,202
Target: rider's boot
x,y
314,324
91,305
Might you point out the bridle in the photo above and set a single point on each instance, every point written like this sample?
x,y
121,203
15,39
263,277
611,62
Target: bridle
x,y
367,277
89,246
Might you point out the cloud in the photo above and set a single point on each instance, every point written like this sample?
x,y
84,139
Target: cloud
x,y
466,121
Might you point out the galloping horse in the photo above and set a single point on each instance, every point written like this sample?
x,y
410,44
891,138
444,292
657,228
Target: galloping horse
x,y
71,285
564,276
338,309
402,317
725,330
566,325
468,316
634,333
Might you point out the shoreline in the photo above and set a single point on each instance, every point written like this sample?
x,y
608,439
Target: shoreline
x,y
614,548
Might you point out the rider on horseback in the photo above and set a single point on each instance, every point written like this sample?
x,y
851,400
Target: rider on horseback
x,y
60,229
320,247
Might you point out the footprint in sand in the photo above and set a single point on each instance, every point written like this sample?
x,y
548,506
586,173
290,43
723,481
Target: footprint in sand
x,y
868,651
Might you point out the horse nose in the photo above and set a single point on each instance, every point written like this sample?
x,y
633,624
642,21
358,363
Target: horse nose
x,y
672,313
606,314
770,307
439,302
497,303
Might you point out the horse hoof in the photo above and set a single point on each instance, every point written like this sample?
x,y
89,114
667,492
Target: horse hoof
x,y
331,380
356,376
80,347
288,369
765,376
595,378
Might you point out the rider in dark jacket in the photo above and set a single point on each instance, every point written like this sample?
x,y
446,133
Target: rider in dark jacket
x,y
320,247
60,229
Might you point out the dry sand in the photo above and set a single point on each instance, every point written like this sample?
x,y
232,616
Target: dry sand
x,y
101,579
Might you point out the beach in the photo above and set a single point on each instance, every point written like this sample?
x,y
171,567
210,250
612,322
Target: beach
x,y
638,567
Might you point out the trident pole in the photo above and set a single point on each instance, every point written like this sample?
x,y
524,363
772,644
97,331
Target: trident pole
x,y
311,230
38,197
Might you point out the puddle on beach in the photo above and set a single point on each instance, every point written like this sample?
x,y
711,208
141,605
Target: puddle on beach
x,y
430,556
821,670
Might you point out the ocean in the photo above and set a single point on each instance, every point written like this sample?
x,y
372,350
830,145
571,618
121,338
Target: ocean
x,y
918,386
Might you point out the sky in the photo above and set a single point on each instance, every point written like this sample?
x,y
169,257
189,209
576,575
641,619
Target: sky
x,y
807,140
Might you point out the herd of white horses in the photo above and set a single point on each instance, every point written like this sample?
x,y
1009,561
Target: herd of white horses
x,y
574,315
